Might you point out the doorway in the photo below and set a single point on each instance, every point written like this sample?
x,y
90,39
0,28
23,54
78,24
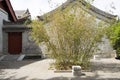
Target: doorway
x,y
14,42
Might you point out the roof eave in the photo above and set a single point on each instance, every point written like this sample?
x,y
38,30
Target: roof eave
x,y
11,10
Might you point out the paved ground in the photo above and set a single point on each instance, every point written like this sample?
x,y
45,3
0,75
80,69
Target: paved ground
x,y
39,70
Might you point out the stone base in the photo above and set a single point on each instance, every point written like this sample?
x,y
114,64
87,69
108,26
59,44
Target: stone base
x,y
77,73
76,70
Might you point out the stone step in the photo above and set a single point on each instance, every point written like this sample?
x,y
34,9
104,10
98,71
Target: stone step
x,y
12,57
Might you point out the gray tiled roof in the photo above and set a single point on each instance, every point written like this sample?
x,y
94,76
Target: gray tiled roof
x,y
107,17
22,13
94,11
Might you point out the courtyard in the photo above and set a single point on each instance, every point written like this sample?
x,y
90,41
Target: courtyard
x,y
39,69
74,35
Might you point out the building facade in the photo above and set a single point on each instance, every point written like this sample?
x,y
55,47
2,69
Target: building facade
x,y
103,19
14,34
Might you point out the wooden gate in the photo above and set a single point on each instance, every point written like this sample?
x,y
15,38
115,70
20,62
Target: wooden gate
x,y
14,42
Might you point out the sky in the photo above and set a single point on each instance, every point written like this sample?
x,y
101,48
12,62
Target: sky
x,y
39,7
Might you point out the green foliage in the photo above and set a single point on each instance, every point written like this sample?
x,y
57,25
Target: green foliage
x,y
39,33
114,35
73,39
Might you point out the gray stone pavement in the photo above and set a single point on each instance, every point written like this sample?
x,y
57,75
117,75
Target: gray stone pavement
x,y
39,70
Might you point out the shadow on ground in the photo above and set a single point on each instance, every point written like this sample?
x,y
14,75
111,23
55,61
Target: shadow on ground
x,y
78,78
106,67
16,64
11,78
63,78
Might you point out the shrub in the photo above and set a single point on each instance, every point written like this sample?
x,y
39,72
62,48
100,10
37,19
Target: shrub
x,y
71,38
114,35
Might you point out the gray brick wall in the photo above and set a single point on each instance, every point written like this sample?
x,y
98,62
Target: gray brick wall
x,y
3,16
29,46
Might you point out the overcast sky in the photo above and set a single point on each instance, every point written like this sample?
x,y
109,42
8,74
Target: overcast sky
x,y
38,7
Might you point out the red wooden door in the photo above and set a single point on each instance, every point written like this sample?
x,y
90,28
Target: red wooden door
x,y
14,42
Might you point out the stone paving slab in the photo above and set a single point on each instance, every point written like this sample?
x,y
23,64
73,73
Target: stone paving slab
x,y
106,65
39,70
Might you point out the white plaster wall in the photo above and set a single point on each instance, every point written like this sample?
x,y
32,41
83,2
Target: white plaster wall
x,y
3,16
28,45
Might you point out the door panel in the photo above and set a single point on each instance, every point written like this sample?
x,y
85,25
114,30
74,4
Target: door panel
x,y
14,42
